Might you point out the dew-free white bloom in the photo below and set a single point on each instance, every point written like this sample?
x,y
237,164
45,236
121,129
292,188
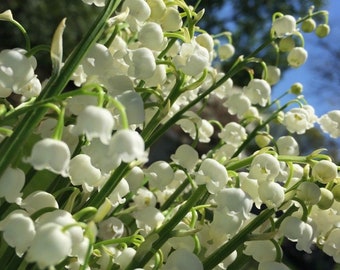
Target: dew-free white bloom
x,y
264,167
50,246
284,25
237,103
82,172
160,174
297,57
213,174
117,195
185,156
182,259
16,71
142,63
139,9
300,119
192,59
298,231
287,145
50,154
330,123
273,74
233,133
98,3
272,265
171,20
144,198
94,122
325,171
38,200
148,219
127,146
260,250
332,245
151,36
77,104
271,194
134,106
18,231
309,192
258,91
226,51
110,228
125,257
11,183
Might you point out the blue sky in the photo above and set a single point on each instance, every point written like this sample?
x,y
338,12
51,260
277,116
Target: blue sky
x,y
322,94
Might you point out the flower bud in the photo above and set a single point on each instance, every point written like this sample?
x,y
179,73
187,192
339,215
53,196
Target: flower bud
x,y
226,51
297,57
309,192
286,44
324,171
296,88
326,199
308,25
273,74
263,139
336,192
183,259
322,30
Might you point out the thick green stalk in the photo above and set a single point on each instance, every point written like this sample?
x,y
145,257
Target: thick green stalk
x,y
9,147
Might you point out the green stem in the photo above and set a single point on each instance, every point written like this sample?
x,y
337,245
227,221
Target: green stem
x,y
225,250
54,87
154,241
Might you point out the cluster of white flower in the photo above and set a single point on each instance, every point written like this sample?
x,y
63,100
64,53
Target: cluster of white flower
x,y
82,193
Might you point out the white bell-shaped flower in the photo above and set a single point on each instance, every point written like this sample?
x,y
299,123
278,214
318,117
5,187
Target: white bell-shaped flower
x,y
159,77
77,104
158,8
50,154
82,172
98,3
148,219
16,70
300,119
213,174
297,57
94,122
234,200
110,228
50,246
284,25
264,167
225,51
287,145
139,9
126,146
30,89
135,178
38,200
298,231
18,231
272,265
160,174
258,91
330,123
237,104
142,63
182,259
309,192
186,156
250,186
272,194
11,183
144,198
117,195
325,171
192,59
332,245
233,133
273,75
171,20
101,156
125,257
225,223
260,250
151,36
134,106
